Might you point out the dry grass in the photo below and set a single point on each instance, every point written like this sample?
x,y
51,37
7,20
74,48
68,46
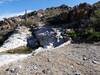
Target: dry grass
x,y
20,50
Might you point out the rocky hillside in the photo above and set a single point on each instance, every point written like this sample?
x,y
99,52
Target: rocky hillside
x,y
56,41
82,21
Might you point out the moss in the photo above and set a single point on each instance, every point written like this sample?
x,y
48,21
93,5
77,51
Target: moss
x,y
20,50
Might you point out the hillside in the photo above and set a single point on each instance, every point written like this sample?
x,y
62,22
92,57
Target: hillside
x,y
55,41
82,20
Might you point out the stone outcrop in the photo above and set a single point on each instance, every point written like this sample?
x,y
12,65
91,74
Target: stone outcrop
x,y
17,39
46,37
49,37
76,18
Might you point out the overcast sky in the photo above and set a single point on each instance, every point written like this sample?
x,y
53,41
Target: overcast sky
x,y
15,7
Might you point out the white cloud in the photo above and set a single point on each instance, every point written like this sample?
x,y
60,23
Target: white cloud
x,y
3,1
13,14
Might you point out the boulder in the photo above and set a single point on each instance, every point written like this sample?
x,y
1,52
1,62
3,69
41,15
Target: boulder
x,y
50,37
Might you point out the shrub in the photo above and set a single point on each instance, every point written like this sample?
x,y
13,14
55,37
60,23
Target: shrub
x,y
94,36
28,23
95,19
72,34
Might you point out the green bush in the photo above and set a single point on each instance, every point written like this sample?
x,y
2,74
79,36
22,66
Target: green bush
x,y
95,19
94,36
72,34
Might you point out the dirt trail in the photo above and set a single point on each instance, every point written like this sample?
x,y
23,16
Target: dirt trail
x,y
74,59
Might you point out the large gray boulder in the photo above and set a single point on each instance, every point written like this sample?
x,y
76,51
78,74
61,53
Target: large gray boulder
x,y
50,37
